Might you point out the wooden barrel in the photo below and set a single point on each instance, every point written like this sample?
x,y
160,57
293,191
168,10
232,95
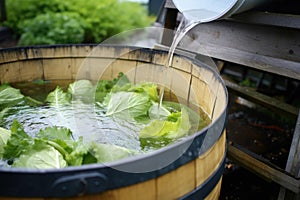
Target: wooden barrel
x,y
194,173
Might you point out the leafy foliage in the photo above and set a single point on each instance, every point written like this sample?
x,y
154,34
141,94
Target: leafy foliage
x,y
137,104
128,105
53,28
18,142
9,96
61,139
58,97
76,21
41,156
54,147
115,152
161,132
82,90
20,11
106,18
4,136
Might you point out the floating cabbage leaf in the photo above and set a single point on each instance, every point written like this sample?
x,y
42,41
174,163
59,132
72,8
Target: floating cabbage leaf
x,y
58,97
156,112
128,105
51,141
61,139
18,142
161,132
109,152
4,136
82,90
40,156
104,87
9,96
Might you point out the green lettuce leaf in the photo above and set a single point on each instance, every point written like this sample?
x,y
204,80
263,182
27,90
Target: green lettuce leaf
x,y
61,139
56,142
159,128
121,80
58,97
145,87
82,90
79,154
104,87
158,113
24,151
18,143
3,114
9,96
161,132
4,136
54,133
58,137
198,121
40,156
148,88
108,152
128,105
32,102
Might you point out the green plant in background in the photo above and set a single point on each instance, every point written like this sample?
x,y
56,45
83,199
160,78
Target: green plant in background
x,y
110,17
53,28
247,83
19,11
55,22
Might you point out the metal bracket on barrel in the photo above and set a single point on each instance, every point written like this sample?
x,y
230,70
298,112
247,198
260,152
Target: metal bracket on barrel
x,y
80,184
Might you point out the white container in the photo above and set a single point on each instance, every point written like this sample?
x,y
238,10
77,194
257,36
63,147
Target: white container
x,y
210,10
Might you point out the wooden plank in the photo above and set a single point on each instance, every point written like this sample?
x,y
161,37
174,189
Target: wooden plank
x,y
202,58
146,189
258,39
176,183
268,18
169,26
293,162
170,4
268,48
268,102
260,168
285,194
209,162
273,65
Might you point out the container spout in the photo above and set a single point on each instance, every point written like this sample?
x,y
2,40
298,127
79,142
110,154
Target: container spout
x,y
209,10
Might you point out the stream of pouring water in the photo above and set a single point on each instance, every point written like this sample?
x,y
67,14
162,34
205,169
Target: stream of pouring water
x,y
184,27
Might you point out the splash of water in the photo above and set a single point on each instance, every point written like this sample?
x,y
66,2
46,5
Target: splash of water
x,y
184,27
